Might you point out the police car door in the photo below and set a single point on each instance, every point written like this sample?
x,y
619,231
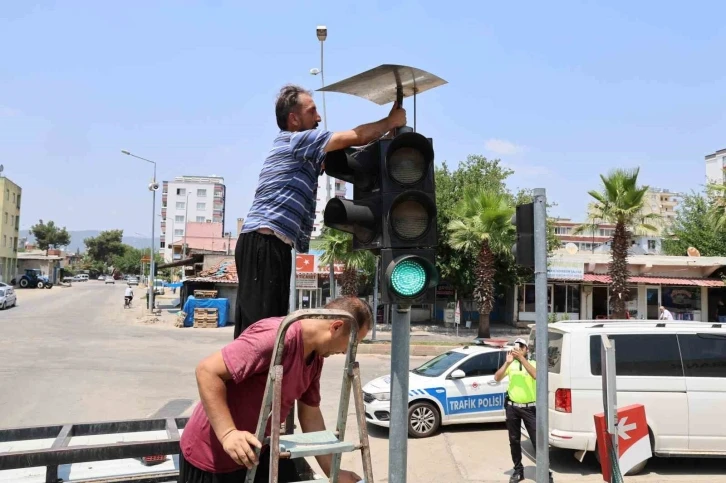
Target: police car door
x,y
477,397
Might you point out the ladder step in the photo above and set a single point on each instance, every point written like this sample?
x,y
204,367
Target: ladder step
x,y
301,445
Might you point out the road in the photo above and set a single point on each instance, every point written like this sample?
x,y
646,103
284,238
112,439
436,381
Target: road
x,y
75,355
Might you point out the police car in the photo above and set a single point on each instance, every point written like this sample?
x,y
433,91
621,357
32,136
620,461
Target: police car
x,y
452,388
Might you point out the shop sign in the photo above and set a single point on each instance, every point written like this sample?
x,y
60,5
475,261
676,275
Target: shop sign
x,y
561,270
306,280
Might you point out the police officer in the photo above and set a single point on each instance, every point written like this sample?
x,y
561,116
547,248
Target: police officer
x,y
520,403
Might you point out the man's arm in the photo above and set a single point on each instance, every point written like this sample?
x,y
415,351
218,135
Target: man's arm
x,y
366,133
212,375
311,420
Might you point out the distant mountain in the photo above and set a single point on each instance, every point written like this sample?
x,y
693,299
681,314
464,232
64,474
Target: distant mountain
x,y
77,238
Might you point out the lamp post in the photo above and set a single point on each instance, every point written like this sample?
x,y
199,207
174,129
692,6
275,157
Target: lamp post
x,y
153,187
322,33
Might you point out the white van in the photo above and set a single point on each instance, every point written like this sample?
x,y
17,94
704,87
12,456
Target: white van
x,y
676,369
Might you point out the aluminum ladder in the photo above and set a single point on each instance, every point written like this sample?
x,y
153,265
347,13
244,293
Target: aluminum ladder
x,y
318,443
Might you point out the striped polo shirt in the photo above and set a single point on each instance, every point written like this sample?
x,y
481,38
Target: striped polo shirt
x,y
288,186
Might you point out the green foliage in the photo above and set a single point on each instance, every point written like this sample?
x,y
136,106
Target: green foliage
x,y
717,205
104,247
476,173
48,235
338,247
129,262
694,227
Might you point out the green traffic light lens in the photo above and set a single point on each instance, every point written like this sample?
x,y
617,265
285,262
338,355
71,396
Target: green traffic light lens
x,y
408,278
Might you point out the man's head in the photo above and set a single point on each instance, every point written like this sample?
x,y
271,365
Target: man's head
x,y
521,345
335,333
661,308
295,109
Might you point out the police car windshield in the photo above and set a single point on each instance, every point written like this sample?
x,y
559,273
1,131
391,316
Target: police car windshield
x,y
439,364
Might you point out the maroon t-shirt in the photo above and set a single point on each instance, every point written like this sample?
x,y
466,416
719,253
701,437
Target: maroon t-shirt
x,y
248,359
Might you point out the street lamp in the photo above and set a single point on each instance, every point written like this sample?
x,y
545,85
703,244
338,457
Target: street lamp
x,y
153,187
322,33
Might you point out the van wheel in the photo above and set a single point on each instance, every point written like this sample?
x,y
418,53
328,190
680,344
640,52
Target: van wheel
x,y
423,420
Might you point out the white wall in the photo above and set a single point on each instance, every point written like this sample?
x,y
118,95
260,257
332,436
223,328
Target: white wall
x,y
714,169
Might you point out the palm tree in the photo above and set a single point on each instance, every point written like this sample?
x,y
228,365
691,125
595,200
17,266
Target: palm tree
x,y
717,210
482,225
338,248
621,203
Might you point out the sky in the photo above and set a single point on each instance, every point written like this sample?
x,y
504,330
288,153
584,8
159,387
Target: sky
x,y
559,91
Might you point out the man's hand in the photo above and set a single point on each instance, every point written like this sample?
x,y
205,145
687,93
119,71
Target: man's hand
x,y
348,477
397,116
518,354
510,357
238,445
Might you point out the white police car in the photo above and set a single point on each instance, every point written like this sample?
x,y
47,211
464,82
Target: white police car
x,y
455,387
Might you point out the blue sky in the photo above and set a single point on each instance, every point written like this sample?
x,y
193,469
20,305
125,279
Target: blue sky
x,y
559,91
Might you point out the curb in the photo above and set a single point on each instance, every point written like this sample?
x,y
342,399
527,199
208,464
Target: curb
x,y
415,350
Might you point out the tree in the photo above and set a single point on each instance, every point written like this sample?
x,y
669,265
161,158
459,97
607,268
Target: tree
x,y
129,262
717,205
694,227
338,248
48,235
621,203
104,247
482,227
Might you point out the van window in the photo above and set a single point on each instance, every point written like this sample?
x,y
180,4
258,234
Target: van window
x,y
704,355
554,350
640,355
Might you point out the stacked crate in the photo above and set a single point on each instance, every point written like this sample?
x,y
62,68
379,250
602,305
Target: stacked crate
x,y
205,318
205,294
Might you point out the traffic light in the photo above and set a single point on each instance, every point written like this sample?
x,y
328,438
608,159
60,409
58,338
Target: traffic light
x,y
523,248
393,211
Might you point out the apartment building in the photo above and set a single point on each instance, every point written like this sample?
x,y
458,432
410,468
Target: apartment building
x,y
187,199
9,228
595,238
328,187
715,166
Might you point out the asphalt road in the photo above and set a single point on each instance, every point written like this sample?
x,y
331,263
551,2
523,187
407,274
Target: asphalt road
x,y
75,355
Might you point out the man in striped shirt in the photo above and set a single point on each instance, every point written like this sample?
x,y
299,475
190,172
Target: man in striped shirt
x,y
283,211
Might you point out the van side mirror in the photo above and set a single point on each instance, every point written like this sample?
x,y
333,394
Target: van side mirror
x,y
458,374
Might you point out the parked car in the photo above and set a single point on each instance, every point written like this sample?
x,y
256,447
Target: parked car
x,y
7,297
110,279
674,368
455,387
133,281
101,278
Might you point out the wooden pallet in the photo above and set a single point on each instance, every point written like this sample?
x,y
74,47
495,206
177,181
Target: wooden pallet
x,y
205,318
205,294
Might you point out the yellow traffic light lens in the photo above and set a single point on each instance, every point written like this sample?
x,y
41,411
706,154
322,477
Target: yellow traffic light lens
x,y
410,219
407,166
408,278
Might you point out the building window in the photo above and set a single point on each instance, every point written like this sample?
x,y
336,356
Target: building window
x,y
12,220
178,219
13,197
562,230
180,205
179,232
202,193
682,302
162,244
5,240
181,191
18,200
5,218
201,206
7,194
201,219
17,222
651,245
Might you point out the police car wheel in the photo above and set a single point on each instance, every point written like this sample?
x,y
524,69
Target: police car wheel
x,y
423,420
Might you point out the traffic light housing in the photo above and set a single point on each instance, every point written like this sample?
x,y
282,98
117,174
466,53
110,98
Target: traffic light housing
x,y
393,211
523,249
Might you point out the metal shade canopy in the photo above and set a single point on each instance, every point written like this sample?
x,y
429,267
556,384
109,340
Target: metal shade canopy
x,y
381,84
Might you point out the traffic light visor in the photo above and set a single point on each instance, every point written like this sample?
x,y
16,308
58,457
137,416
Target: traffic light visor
x,y
408,158
351,217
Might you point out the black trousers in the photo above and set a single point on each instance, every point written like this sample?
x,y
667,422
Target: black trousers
x,y
515,417
188,473
264,265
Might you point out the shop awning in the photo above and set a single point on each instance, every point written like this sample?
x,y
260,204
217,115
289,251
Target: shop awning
x,y
698,282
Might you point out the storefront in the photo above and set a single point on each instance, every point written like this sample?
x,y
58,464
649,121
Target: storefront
x,y
578,288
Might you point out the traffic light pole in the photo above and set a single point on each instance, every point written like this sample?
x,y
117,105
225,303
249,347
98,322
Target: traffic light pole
x,y
541,334
398,433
